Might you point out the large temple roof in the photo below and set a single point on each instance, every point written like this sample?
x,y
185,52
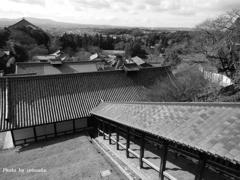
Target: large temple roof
x,y
34,100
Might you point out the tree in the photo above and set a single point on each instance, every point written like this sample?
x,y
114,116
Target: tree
x,y
172,58
4,36
220,38
19,53
128,49
185,86
137,50
55,44
137,32
38,50
37,34
152,39
133,49
22,38
41,37
120,45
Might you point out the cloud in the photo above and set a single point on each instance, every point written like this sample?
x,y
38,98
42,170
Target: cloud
x,y
189,7
227,5
152,2
121,12
126,2
38,2
99,4
141,7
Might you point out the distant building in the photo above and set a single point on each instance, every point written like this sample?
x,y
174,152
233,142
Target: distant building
x,y
57,53
3,54
35,107
21,24
43,58
136,63
93,57
46,68
131,67
113,52
138,60
205,135
50,57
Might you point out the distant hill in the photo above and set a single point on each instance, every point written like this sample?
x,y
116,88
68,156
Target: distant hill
x,y
56,27
42,22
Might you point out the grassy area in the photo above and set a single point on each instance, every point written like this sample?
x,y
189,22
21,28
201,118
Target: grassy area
x,y
71,157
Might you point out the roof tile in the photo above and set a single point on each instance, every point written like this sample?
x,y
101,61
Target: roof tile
x,y
210,127
36,100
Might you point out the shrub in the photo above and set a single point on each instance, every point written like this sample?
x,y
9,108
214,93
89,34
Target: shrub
x,y
38,50
172,58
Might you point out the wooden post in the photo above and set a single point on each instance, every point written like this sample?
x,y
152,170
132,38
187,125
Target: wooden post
x,y
141,151
35,133
201,167
109,134
55,129
103,129
97,127
128,142
117,138
163,160
175,155
13,138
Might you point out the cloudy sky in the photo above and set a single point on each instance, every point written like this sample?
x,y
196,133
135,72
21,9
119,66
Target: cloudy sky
x,y
148,13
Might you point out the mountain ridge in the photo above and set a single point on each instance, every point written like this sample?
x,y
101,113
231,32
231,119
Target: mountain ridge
x,y
43,22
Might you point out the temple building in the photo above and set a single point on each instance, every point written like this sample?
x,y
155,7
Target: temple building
x,y
199,140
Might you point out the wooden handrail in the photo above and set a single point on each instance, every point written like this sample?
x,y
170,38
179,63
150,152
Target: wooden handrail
x,y
166,174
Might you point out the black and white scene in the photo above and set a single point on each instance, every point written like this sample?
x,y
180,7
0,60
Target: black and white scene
x,y
120,90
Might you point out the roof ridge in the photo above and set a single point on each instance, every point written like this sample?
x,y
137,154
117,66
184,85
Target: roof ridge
x,y
219,104
67,62
86,73
23,20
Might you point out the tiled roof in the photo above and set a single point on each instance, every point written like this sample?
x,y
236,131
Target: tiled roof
x,y
45,68
113,52
210,127
138,60
131,67
35,100
22,23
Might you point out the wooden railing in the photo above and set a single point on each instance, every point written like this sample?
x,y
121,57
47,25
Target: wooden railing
x,y
139,156
203,161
